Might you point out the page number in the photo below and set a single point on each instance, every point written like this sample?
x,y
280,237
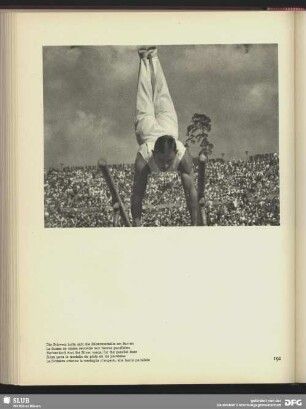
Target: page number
x,y
277,358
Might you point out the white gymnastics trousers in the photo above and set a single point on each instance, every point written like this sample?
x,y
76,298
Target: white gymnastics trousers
x,y
155,112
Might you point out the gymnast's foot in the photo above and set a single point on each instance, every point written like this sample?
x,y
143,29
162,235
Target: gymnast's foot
x,y
143,53
152,52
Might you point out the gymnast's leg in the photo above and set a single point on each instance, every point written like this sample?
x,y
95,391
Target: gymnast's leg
x,y
155,112
165,113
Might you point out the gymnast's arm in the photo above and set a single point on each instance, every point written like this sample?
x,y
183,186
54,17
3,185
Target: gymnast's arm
x,y
187,176
141,172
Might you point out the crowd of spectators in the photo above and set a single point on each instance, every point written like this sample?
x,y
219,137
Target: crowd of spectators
x,y
237,193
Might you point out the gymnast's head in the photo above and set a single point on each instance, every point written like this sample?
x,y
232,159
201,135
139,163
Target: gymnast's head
x,y
164,152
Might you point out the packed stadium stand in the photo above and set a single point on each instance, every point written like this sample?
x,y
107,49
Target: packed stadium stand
x,y
237,193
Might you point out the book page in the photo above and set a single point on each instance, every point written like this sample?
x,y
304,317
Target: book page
x,y
8,227
155,305
300,98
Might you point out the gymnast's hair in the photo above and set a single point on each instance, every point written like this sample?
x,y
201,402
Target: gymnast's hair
x,y
165,144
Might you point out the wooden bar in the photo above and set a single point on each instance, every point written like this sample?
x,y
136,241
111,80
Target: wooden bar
x,y
102,165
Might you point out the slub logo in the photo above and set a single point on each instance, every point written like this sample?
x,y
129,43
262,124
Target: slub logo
x,y
7,400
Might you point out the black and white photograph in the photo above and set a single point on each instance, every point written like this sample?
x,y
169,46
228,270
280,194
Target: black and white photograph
x,y
166,135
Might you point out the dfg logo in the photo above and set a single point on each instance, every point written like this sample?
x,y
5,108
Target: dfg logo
x,y
293,402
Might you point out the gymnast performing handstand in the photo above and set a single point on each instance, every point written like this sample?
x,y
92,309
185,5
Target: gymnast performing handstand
x,y
156,129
